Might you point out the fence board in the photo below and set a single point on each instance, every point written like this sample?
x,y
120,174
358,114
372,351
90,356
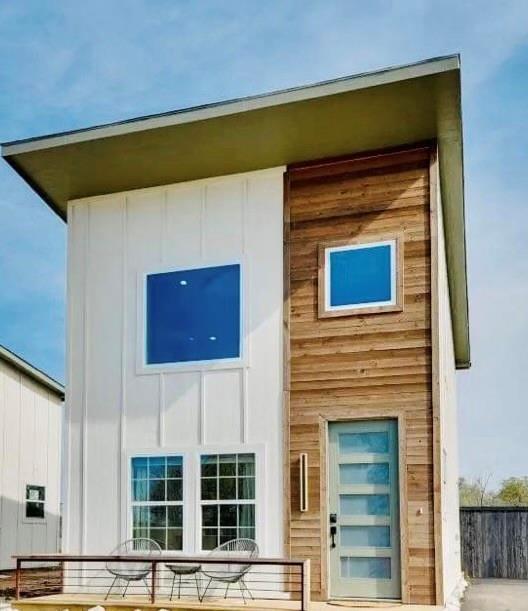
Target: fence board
x,y
494,542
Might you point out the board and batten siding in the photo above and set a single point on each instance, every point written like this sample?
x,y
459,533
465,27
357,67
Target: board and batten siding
x,y
370,366
30,453
117,409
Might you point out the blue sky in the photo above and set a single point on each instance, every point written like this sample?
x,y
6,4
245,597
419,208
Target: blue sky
x,y
72,64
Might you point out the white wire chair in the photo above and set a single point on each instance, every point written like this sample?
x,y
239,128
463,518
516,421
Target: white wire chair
x,y
132,571
230,573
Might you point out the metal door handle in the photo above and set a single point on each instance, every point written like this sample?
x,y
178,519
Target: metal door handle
x,y
333,528
333,533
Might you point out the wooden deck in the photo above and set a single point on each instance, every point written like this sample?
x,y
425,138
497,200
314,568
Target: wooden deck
x,y
80,602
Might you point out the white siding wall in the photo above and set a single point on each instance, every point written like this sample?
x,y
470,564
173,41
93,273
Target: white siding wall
x,y
30,450
115,408
448,430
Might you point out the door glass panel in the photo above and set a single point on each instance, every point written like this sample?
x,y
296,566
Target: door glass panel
x,y
364,473
365,536
364,504
365,568
375,442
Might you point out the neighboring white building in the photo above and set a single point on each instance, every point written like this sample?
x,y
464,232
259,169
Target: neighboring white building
x,y
30,459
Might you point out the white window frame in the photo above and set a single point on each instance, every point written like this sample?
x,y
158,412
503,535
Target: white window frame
x,y
158,453
192,526
142,367
219,502
394,304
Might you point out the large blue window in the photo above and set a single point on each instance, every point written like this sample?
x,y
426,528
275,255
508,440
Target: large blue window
x,y
359,277
193,315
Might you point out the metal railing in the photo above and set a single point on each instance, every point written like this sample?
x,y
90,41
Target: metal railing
x,y
266,579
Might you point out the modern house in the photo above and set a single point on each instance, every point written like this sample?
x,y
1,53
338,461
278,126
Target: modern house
x,y
267,304
31,412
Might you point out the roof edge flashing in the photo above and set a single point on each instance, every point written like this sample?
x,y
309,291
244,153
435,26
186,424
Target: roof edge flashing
x,y
32,372
385,76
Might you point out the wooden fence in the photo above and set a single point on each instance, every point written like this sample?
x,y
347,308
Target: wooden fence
x,y
494,542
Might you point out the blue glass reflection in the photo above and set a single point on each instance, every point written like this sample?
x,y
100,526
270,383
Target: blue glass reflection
x,y
360,275
193,315
372,442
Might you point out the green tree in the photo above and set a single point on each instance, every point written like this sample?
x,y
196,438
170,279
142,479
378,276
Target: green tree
x,y
473,493
514,491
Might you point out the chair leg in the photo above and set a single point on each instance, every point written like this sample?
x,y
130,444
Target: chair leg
x,y
126,588
227,590
242,592
197,586
146,585
206,588
247,589
110,588
179,587
173,582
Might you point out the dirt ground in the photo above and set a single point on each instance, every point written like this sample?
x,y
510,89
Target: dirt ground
x,y
33,582
496,595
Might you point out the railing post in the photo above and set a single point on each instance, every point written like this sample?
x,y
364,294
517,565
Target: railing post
x,y
305,585
153,587
17,579
62,577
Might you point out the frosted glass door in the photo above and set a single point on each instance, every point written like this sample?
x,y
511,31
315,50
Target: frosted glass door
x,y
364,510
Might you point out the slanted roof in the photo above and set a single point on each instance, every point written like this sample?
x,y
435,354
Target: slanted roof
x,y
32,372
375,110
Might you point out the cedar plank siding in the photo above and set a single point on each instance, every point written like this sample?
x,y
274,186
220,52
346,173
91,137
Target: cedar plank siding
x,y
375,365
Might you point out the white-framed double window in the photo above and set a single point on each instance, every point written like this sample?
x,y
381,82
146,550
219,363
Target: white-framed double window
x,y
157,500
192,317
207,498
227,498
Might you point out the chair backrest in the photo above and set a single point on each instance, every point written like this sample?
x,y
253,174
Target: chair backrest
x,y
239,548
133,547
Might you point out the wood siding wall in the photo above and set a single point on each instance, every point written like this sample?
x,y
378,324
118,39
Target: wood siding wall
x,y
377,365
495,542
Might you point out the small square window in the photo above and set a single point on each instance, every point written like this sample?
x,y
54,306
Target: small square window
x,y
360,277
35,502
193,315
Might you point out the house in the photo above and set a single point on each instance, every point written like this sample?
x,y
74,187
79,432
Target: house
x,y
267,303
31,412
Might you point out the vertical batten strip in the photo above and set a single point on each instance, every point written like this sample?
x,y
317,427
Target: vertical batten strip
x,y
435,356
286,367
243,405
123,510
65,438
202,222
86,356
246,317
201,419
163,262
161,410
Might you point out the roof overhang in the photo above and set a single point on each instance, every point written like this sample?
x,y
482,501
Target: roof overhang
x,y
35,374
380,109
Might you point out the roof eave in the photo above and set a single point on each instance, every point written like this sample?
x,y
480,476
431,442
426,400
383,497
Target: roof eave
x,y
32,372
